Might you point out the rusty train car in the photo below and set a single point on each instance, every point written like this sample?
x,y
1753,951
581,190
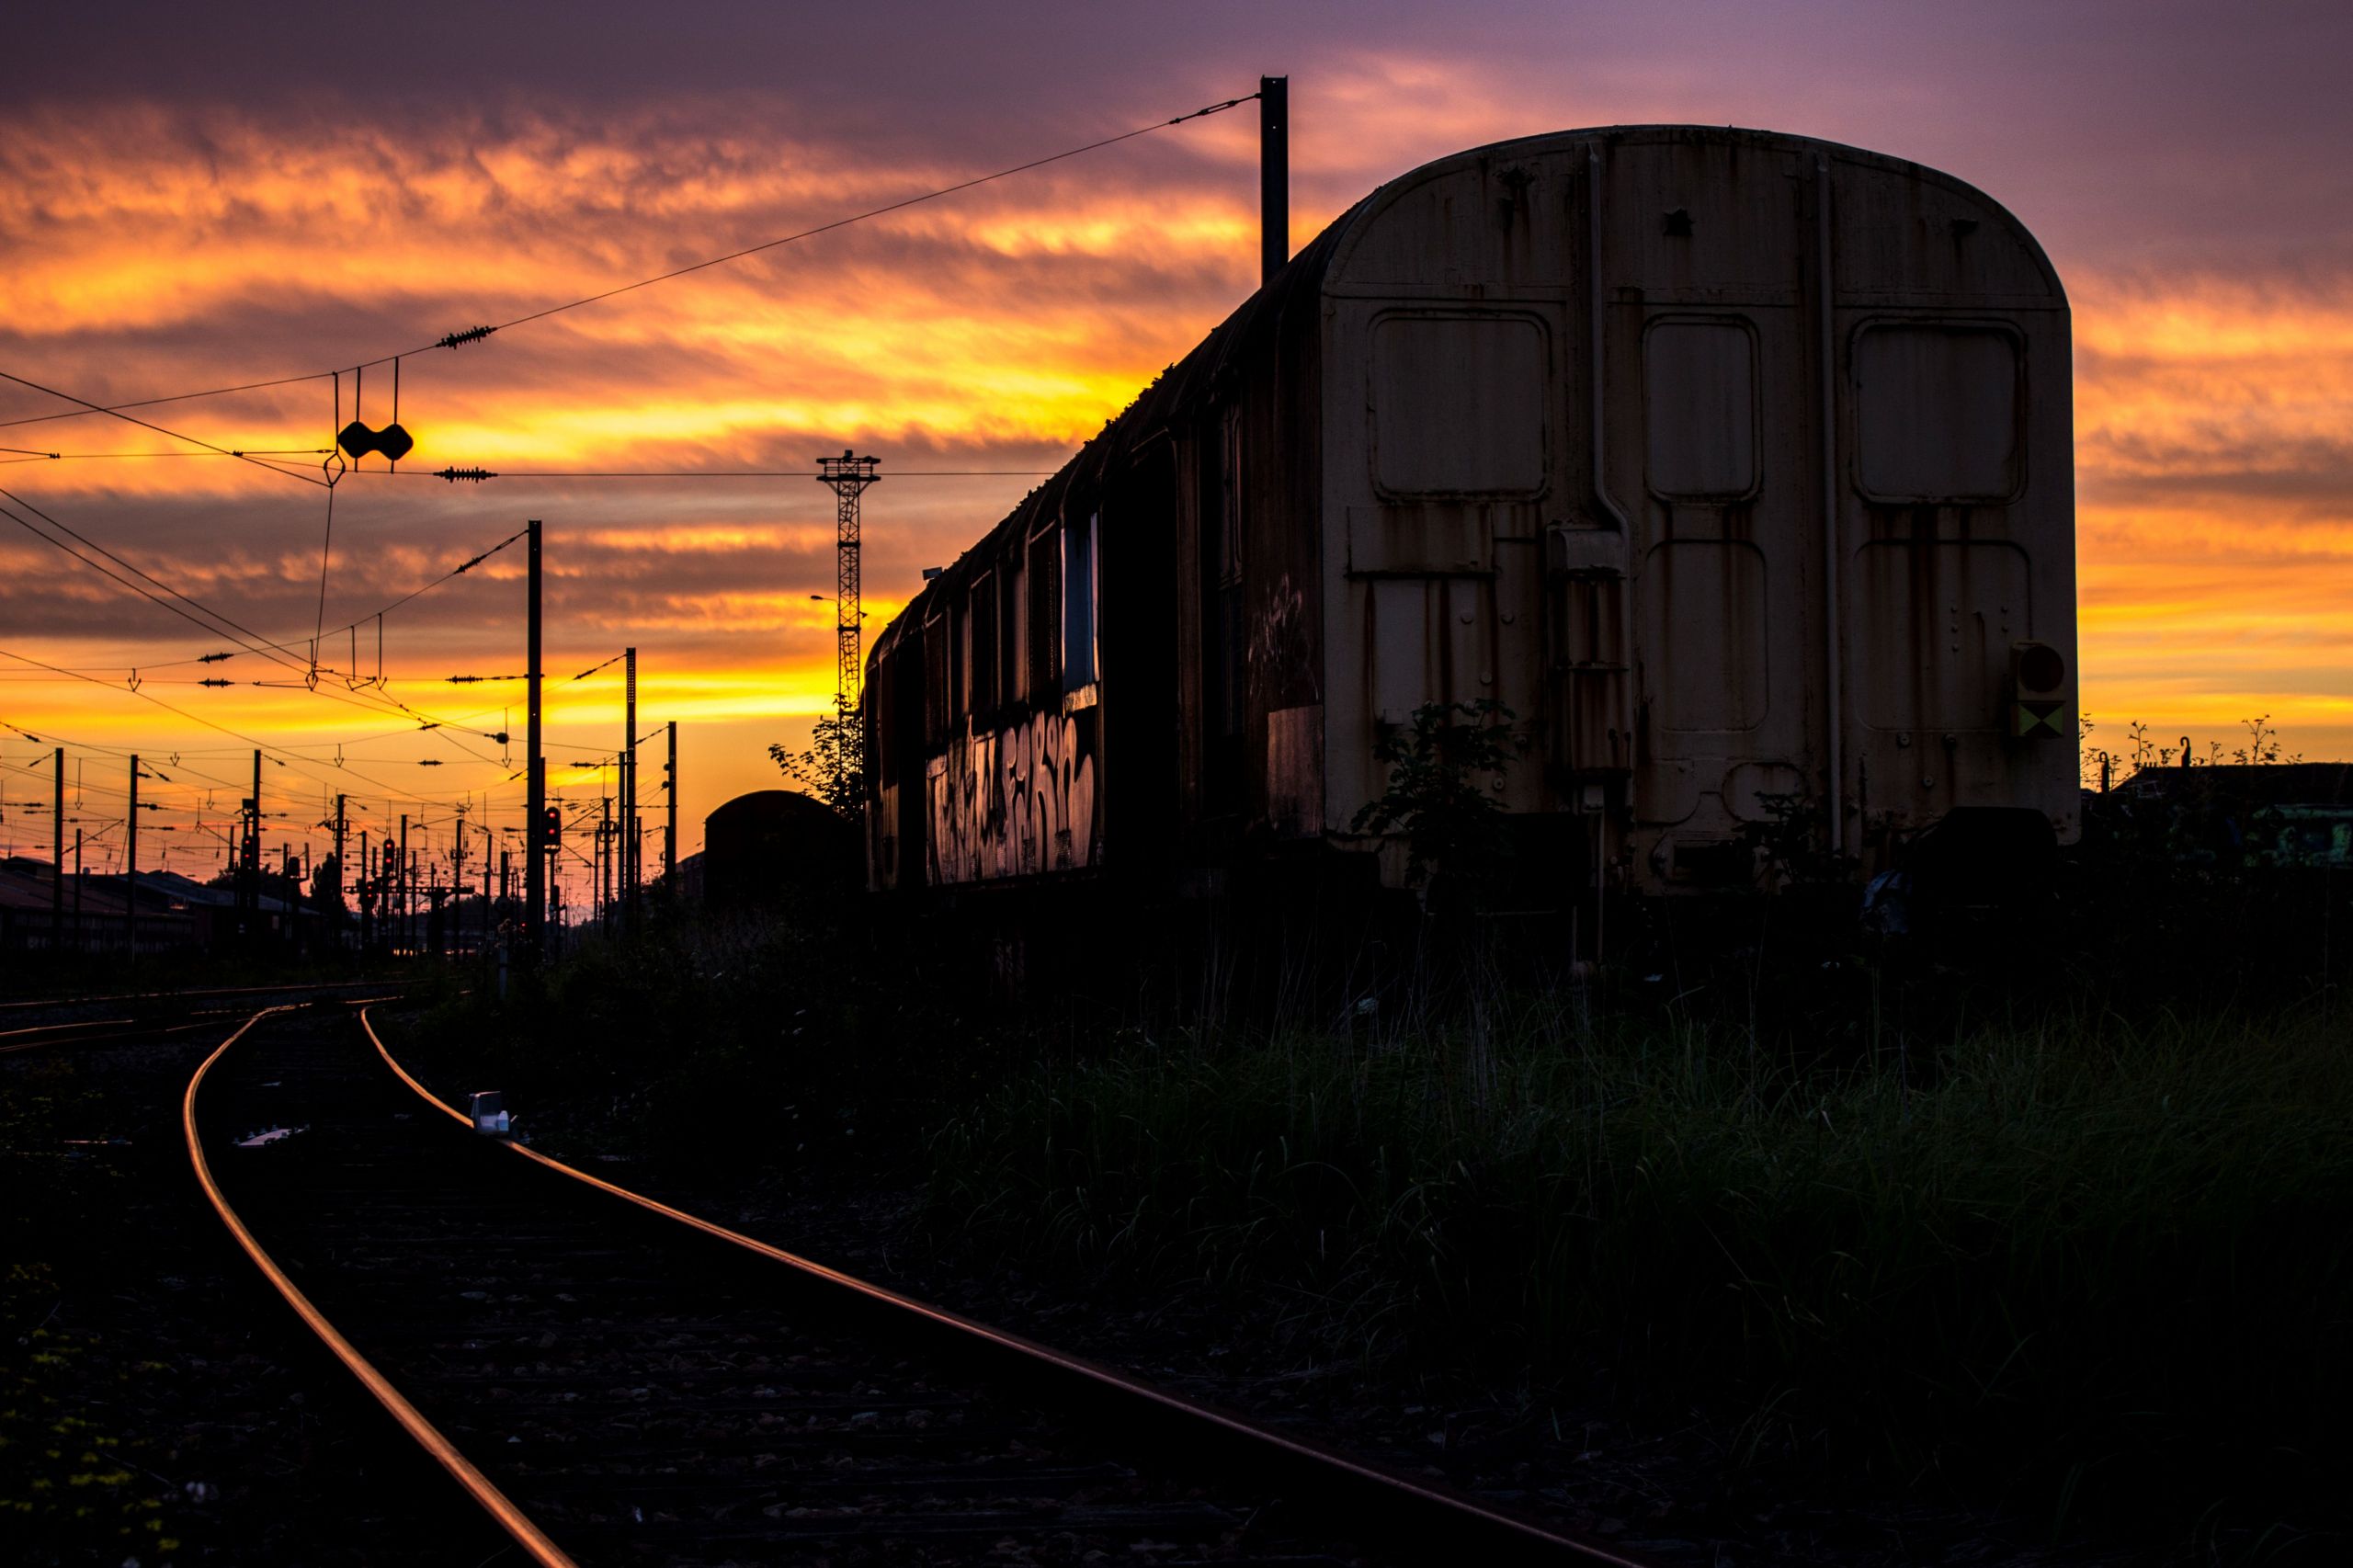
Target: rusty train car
x,y
1736,465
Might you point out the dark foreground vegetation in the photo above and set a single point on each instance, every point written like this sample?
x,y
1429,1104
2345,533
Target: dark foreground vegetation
x,y
2049,1216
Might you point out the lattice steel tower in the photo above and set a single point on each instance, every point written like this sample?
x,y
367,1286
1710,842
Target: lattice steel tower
x,y
847,477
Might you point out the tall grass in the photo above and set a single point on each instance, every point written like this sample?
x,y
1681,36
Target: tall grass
x,y
2081,1254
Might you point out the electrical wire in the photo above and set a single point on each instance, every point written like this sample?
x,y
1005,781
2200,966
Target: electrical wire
x,y
718,473
268,452
267,750
90,407
175,397
475,335
251,640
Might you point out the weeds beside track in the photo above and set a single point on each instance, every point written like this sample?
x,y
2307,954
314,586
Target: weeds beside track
x,y
2080,1258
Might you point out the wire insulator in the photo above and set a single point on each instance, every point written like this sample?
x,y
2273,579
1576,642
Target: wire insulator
x,y
460,339
470,475
216,680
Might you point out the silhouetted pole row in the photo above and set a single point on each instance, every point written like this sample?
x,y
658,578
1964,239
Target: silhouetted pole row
x,y
386,880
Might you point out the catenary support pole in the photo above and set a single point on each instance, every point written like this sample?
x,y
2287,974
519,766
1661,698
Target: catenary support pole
x,y
534,788
628,866
57,859
670,807
130,865
1274,176
600,896
249,860
457,923
333,902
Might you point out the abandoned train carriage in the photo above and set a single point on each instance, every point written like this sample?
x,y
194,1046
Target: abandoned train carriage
x,y
1737,466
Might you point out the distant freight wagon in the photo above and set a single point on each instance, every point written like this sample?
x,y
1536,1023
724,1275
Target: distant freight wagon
x,y
1737,466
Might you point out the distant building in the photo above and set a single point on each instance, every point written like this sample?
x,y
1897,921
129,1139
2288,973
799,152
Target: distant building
x,y
173,911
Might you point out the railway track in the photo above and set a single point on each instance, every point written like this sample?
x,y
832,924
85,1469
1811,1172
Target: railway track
x,y
159,1017
616,1381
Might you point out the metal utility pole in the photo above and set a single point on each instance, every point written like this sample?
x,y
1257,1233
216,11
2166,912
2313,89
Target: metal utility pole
x,y
628,866
249,860
458,887
332,902
57,859
848,478
669,832
399,887
80,936
534,788
1274,176
130,863
601,907
366,889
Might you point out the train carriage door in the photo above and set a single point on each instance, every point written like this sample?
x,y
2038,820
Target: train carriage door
x,y
1448,549
1722,573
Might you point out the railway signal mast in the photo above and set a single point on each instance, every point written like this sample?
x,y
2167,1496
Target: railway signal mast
x,y
847,477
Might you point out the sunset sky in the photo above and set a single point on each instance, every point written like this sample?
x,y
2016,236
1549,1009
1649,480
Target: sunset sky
x,y
190,202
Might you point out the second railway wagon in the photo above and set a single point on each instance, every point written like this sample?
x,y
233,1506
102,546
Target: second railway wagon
x,y
1736,466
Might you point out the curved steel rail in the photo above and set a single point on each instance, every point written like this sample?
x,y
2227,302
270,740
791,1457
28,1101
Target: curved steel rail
x,y
1486,1522
213,992
151,1030
511,1518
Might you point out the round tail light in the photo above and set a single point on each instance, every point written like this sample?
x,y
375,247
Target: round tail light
x,y
2041,669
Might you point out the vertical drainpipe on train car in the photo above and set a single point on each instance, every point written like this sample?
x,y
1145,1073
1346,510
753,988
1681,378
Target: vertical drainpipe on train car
x,y
1274,176
1597,319
1833,667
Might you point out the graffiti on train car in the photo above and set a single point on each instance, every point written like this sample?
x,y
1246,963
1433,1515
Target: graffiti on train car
x,y
1014,801
1283,655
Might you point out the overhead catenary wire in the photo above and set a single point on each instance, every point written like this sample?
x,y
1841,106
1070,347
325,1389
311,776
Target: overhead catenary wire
x,y
251,641
240,454
476,334
261,746
260,452
711,473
